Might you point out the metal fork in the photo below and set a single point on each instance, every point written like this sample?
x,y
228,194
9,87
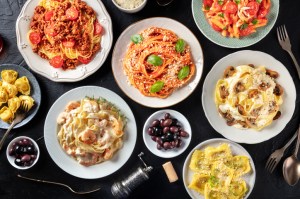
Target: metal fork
x,y
58,183
285,43
276,156
20,115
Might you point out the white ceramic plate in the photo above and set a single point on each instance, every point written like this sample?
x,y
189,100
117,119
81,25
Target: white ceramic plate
x,y
170,153
121,48
67,163
236,149
42,66
218,39
248,136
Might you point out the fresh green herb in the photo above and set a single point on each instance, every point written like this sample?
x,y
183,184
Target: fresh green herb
x,y
225,28
213,181
136,38
155,60
254,21
157,86
221,15
207,7
244,26
220,2
258,1
180,45
184,72
237,1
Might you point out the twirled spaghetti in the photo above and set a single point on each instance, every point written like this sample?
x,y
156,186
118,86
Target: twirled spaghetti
x,y
91,130
66,32
157,62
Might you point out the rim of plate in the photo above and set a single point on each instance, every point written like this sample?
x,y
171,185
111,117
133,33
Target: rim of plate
x,y
249,136
185,168
72,75
67,163
199,61
217,38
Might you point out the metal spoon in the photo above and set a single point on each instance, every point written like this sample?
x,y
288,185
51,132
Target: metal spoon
x,y
291,166
164,2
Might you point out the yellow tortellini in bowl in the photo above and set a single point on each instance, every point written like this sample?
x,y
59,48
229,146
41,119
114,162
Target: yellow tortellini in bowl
x,y
13,92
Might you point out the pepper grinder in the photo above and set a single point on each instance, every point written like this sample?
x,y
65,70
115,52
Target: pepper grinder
x,y
123,188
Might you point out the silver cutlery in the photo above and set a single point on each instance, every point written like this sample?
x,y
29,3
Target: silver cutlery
x,y
58,183
276,156
164,2
285,43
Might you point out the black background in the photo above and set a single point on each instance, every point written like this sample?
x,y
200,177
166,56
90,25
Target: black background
x,y
266,185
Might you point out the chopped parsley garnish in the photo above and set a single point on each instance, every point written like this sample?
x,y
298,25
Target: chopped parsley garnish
x,y
258,1
244,26
254,21
220,2
221,15
207,7
237,1
213,181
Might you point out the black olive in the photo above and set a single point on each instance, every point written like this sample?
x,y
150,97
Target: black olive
x,y
174,122
157,131
30,150
18,149
167,116
18,162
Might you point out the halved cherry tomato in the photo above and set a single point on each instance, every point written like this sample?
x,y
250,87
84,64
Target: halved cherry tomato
x,y
246,31
50,30
57,61
262,13
253,8
230,7
208,3
69,43
84,60
216,28
72,13
35,37
97,28
48,15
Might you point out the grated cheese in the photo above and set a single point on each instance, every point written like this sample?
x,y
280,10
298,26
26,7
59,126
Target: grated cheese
x,y
129,4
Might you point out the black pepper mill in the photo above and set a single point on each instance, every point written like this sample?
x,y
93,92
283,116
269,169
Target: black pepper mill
x,y
123,188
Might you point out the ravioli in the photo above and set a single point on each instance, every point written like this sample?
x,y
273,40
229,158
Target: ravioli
x,y
27,100
14,104
10,89
3,95
6,114
9,76
23,85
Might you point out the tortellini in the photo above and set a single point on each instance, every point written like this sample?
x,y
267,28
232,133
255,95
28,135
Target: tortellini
x,y
218,173
13,92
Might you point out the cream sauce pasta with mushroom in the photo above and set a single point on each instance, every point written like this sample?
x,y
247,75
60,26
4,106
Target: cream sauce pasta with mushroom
x,y
91,130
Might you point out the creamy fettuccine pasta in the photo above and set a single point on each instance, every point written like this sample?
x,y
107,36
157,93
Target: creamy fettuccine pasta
x,y
91,130
248,96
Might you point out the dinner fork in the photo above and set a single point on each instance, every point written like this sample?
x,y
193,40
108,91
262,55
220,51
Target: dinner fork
x,y
20,115
285,43
276,156
58,183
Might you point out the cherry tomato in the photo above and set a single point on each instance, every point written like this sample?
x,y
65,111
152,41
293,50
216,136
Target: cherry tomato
x,y
246,31
217,7
84,60
35,37
69,43
97,28
228,18
57,61
208,3
50,30
231,7
48,15
253,8
72,13
216,28
262,13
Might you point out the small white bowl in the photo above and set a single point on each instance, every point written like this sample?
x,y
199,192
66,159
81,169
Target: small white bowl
x,y
11,159
133,10
152,145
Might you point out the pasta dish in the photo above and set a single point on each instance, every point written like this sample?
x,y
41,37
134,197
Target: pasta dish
x,y
157,62
236,18
66,32
218,173
249,97
91,131
14,91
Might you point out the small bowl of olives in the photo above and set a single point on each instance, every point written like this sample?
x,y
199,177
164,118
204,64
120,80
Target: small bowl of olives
x,y
167,133
22,152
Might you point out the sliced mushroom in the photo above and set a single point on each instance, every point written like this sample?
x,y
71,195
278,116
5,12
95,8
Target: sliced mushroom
x,y
255,112
272,73
251,65
241,109
250,122
229,71
278,90
223,92
252,93
278,114
243,123
264,86
239,87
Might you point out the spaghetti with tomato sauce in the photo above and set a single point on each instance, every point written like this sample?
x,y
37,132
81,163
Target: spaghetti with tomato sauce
x,y
157,62
65,32
236,18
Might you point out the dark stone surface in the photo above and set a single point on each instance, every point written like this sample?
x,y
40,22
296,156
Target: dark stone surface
x,y
266,186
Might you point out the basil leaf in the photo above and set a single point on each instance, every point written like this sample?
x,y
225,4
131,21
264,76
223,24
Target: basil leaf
x,y
254,21
157,86
258,1
184,72
207,7
244,26
237,1
155,60
136,38
221,15
180,45
220,2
